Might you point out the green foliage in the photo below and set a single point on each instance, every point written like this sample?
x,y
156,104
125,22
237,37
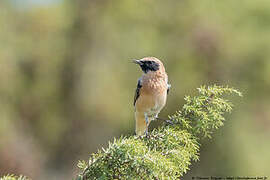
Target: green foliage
x,y
13,177
166,152
203,113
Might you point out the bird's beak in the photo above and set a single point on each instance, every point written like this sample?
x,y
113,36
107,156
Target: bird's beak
x,y
137,61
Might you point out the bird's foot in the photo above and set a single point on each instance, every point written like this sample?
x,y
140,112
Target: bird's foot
x,y
167,121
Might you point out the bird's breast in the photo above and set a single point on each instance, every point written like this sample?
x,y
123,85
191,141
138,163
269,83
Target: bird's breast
x,y
153,94
154,85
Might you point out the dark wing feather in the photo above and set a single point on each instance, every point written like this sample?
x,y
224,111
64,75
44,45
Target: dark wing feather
x,y
168,89
137,92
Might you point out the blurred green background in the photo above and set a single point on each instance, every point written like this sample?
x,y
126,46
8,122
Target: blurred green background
x,y
67,81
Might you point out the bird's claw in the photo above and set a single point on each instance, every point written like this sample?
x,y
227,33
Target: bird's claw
x,y
169,122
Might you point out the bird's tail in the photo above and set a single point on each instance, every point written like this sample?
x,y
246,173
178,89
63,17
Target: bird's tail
x,y
141,125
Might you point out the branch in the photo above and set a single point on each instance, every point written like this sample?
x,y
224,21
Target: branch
x,y
167,151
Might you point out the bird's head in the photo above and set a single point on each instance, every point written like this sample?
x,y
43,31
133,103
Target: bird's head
x,y
150,64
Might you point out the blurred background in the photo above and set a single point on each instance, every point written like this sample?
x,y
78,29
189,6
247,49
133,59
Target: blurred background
x,y
67,82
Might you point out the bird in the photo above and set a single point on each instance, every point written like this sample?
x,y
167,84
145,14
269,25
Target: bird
x,y
151,93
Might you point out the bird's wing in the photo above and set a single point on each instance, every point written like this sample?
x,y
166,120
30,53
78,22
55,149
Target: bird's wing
x,y
137,92
169,87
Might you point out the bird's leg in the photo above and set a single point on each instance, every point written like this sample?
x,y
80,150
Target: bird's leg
x,y
146,132
147,124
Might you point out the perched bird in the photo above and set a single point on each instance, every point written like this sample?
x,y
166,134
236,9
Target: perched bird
x,y
151,93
